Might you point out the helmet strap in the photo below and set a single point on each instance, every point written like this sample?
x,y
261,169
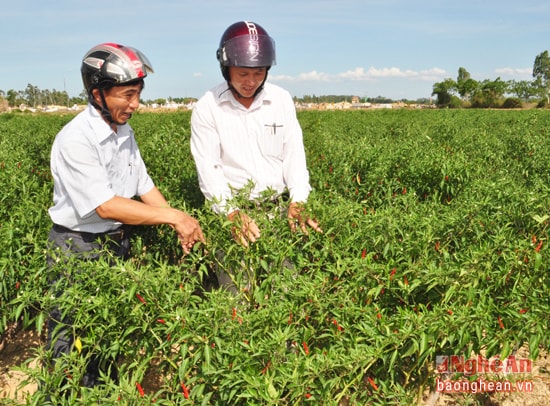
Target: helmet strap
x,y
236,93
103,109
240,96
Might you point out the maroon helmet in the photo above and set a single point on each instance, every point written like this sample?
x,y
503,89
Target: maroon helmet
x,y
245,44
107,65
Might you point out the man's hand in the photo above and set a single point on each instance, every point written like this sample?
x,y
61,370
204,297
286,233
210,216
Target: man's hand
x,y
244,230
188,230
297,217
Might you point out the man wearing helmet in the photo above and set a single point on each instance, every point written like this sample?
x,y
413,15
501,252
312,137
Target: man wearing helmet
x,y
246,130
98,170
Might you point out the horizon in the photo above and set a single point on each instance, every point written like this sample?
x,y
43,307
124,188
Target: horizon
x,y
394,49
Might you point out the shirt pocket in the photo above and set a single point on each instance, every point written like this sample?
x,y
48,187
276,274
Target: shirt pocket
x,y
271,141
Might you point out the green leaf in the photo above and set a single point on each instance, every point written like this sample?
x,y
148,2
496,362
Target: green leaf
x,y
540,219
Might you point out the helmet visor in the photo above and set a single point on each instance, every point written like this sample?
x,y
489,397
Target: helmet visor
x,y
249,51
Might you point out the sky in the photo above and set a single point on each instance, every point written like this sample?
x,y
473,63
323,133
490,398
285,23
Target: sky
x,y
367,48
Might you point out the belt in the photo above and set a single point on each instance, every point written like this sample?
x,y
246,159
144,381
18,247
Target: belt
x,y
117,234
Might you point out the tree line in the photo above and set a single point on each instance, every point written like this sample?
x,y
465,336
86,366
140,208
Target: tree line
x,y
34,97
462,92
467,92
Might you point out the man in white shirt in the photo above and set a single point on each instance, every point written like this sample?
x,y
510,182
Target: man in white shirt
x,y
245,130
97,171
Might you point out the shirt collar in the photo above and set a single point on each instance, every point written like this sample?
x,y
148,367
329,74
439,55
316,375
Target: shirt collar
x,y
226,96
101,129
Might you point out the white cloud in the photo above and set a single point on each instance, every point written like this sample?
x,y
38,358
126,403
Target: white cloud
x,y
314,75
515,72
360,74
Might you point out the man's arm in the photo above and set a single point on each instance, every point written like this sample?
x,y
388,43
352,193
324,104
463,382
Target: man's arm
x,y
153,210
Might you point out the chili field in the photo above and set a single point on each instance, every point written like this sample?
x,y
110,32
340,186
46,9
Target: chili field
x,y
435,244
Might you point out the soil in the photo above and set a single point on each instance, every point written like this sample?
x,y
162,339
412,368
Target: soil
x,y
18,345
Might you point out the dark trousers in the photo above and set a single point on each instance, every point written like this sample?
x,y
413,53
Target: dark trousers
x,y
64,243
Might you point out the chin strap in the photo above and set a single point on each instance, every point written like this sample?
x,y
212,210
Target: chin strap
x,y
103,109
237,94
225,73
240,96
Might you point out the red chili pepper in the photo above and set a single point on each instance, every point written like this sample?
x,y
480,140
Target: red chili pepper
x,y
142,300
405,280
234,314
363,253
185,391
534,239
372,383
306,348
500,323
161,321
437,244
308,395
392,273
537,249
263,371
336,324
17,285
522,311
140,389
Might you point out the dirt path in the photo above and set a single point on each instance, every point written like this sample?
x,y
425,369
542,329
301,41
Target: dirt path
x,y
14,351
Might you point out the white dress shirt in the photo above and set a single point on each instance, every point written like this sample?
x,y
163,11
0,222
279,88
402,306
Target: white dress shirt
x,y
91,164
233,145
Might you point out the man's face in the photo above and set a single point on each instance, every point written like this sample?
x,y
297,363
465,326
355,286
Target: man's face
x,y
121,101
246,80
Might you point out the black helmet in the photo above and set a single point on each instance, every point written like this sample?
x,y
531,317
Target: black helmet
x,y
245,44
107,65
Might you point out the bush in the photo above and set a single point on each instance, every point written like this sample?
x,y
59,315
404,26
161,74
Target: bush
x,y
512,103
542,104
